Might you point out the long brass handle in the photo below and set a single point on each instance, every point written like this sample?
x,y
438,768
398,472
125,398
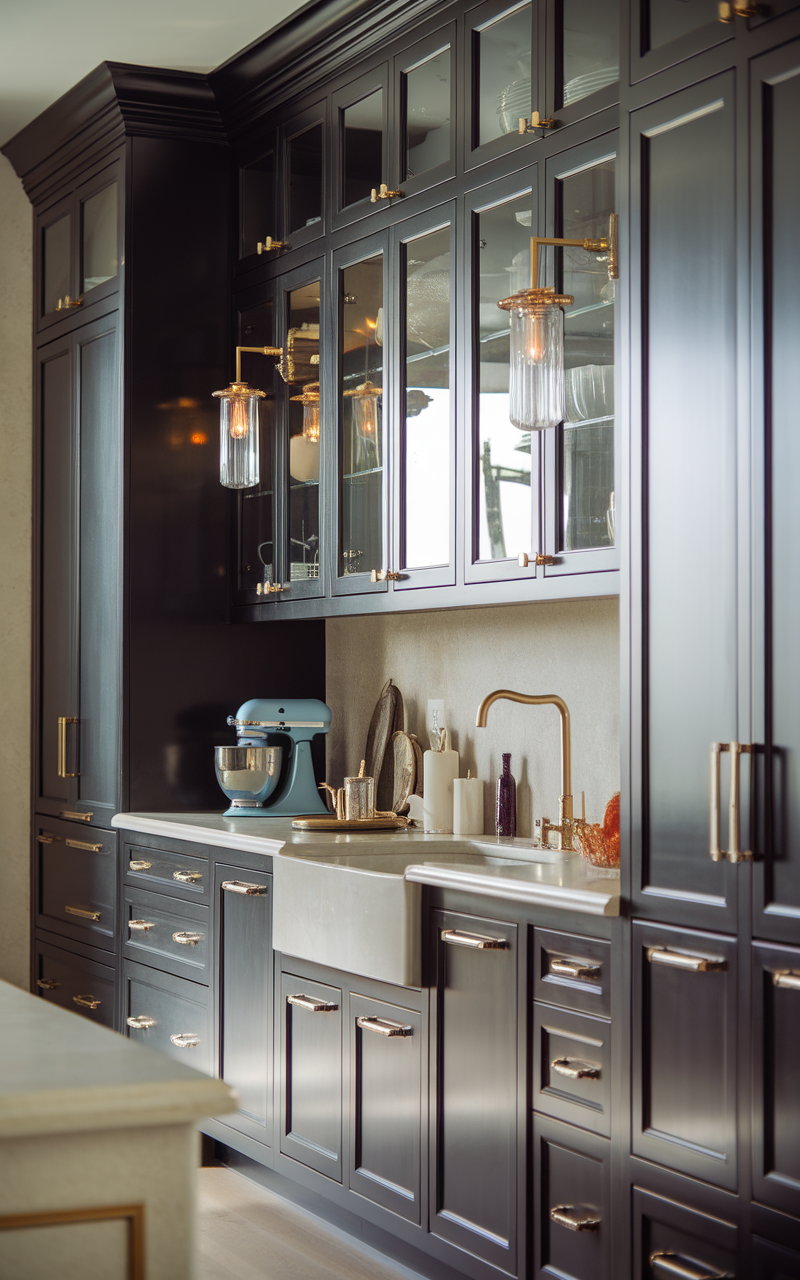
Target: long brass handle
x,y
576,1068
477,941
87,1002
141,926
138,864
384,1026
673,1265
185,1040
187,877
575,969
141,1021
566,1216
76,817
63,721
243,886
82,912
47,984
683,960
715,853
786,978
734,853
312,1005
45,838
84,844
188,939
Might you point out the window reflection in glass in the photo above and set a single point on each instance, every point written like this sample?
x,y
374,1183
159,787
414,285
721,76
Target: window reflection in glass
x,y
304,441
100,238
504,461
56,256
361,350
362,128
504,74
258,204
305,178
426,504
427,98
591,47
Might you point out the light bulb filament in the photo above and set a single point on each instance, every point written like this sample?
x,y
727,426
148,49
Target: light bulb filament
x,y
239,423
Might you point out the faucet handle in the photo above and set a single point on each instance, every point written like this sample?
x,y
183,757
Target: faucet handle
x,y
544,827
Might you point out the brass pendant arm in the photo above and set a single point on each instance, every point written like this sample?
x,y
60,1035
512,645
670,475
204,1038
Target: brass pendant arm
x,y
605,244
262,351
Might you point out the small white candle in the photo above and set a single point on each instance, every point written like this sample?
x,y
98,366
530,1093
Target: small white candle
x,y
440,770
468,807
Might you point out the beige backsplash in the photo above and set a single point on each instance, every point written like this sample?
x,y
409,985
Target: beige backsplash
x,y
571,649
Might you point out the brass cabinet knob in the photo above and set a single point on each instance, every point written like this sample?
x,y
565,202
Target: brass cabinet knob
x,y
383,575
187,877
142,1022
382,193
536,123
576,1068
268,244
87,1002
185,1040
141,926
738,9
139,864
566,1216
187,939
271,588
47,984
524,560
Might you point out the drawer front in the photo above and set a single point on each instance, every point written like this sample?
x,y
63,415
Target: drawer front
x,y
776,1044
668,1236
572,1213
168,933
170,1014
311,1079
572,971
76,881
571,1059
75,983
178,874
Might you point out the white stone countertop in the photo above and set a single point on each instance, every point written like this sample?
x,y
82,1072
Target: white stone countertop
x,y
61,1073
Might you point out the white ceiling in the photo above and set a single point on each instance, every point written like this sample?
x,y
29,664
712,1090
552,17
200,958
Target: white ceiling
x,y
46,46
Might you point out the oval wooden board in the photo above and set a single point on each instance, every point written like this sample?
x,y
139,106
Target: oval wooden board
x,y
354,824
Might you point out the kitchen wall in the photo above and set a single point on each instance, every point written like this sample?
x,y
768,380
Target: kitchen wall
x,y
15,565
571,649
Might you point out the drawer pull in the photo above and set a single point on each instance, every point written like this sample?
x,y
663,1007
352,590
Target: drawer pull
x,y
142,1022
672,1264
82,912
185,1040
243,886
476,941
187,877
86,1002
84,844
139,864
187,939
565,1216
47,984
312,1005
46,838
682,960
575,969
61,770
141,926
576,1068
76,817
383,1026
786,978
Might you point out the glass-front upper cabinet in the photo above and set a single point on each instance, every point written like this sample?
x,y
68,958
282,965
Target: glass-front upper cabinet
x,y
258,217
424,97
255,553
303,444
282,191
361,151
583,58
664,32
80,248
503,76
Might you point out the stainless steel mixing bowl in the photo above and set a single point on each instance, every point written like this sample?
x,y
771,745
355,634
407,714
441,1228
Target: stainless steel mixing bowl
x,y
248,775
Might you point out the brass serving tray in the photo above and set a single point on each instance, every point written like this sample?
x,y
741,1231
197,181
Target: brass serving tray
x,y
352,824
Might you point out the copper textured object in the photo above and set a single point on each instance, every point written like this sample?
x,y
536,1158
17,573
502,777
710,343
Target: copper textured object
x,y
595,846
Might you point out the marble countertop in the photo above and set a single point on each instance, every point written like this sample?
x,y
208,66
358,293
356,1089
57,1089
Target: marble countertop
x,y
61,1073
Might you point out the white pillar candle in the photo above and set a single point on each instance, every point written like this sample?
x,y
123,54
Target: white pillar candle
x,y
468,807
440,770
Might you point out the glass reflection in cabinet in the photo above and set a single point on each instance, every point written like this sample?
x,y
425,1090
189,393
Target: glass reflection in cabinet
x,y
256,552
258,204
99,238
671,19
504,73
426,505
362,132
304,437
304,163
587,199
504,453
590,44
426,94
361,364
56,262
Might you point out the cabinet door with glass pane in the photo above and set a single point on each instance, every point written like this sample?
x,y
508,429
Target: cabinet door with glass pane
x,y
424,112
79,249
255,553
258,204
360,123
580,464
303,186
664,32
582,58
504,49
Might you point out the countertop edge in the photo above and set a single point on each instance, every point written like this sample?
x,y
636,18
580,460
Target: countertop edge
x,y
587,902
129,1106
197,835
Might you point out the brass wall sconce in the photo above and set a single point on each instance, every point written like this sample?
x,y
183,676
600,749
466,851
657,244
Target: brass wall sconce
x,y
239,460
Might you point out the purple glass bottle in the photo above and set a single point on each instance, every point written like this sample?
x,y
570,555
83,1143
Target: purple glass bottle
x,y
506,811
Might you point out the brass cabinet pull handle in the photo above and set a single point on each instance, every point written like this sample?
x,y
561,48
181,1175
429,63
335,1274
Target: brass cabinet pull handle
x,y
672,1264
477,941
383,575
576,1068
382,193
682,960
535,123
737,9
187,939
75,817
141,926
575,969
312,1005
47,984
138,864
786,978
384,1026
733,853
187,877
45,838
243,886
272,588
87,1002
268,244
84,844
185,1040
63,721
142,1022
82,912
566,1216
523,559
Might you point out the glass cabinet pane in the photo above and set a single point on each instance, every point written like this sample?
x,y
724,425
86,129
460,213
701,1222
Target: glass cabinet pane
x,y
258,204
56,263
671,19
587,199
304,436
503,465
426,500
304,162
257,505
426,94
362,132
363,460
99,238
590,44
504,73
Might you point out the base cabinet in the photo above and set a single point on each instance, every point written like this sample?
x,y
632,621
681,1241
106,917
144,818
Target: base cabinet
x,y
169,1014
311,1074
672,1241
774,1262
75,982
571,1203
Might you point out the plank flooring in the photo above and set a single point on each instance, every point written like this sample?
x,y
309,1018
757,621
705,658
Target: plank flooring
x,y
248,1233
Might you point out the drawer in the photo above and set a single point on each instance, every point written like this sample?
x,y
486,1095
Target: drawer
x,y
776,1053
75,983
76,879
168,933
182,875
571,1059
672,1240
170,1014
572,1212
572,971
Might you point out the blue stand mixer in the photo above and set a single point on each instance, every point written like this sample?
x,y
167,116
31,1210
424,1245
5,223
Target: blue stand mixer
x,y
250,772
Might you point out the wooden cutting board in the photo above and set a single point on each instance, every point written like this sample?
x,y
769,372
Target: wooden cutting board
x,y
351,824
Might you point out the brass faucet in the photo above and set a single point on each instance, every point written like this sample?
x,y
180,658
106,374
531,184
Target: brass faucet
x,y
566,822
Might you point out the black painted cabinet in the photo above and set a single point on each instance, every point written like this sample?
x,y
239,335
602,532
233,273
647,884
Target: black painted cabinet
x,y
672,1239
311,1074
776,1107
572,1222
76,980
79,248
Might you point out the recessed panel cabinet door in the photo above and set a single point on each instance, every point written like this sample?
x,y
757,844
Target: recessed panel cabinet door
x,y
311,1074
776,1098
671,1240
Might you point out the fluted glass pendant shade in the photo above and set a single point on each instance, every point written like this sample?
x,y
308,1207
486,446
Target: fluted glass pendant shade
x,y
238,435
536,385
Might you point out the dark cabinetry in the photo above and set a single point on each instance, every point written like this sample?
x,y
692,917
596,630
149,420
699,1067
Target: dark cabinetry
x,y
572,1223
79,249
76,981
311,1074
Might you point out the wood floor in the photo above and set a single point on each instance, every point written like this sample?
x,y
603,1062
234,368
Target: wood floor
x,y
247,1233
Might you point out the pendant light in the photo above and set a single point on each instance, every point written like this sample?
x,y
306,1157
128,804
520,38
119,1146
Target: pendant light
x,y
239,461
